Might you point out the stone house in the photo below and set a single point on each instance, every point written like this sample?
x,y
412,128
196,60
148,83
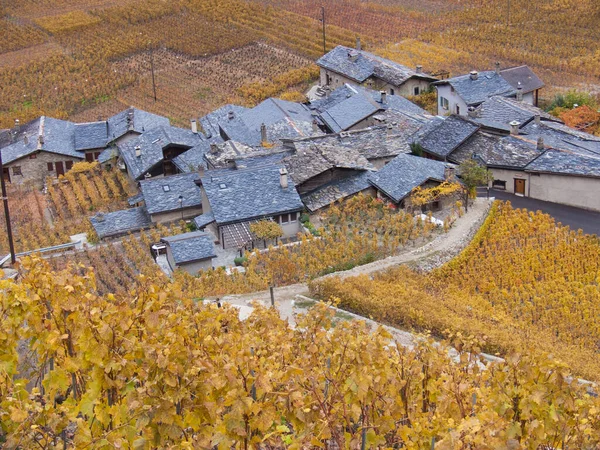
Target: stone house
x,y
234,198
190,252
120,223
460,94
172,198
360,68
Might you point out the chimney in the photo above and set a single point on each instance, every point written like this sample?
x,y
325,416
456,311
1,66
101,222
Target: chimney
x,y
99,217
472,112
40,140
390,128
130,120
315,126
231,115
194,126
283,177
519,92
138,151
474,75
497,68
514,128
540,143
25,139
383,97
358,47
419,69
263,133
449,173
17,126
353,55
214,149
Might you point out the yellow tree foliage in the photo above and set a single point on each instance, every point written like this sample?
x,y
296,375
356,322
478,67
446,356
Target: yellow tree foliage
x,y
422,196
156,369
266,229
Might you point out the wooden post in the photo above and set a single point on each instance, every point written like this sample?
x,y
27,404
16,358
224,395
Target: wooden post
x,y
11,245
323,20
272,296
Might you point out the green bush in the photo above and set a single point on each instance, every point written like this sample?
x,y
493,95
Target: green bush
x,y
572,98
304,218
240,260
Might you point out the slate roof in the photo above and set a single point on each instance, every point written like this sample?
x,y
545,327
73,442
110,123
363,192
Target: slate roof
x,y
497,151
448,135
190,247
242,195
193,159
226,153
565,163
263,158
474,92
120,222
210,122
366,65
337,190
57,138
91,135
282,120
108,154
404,173
348,113
204,219
504,110
161,194
315,159
152,144
133,119
528,80
560,136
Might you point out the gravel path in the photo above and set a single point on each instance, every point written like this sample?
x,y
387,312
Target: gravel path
x,y
291,300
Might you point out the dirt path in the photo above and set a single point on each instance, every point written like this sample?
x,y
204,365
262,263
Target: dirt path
x,y
430,255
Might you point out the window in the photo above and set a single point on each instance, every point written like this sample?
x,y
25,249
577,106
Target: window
x,y
416,90
392,92
89,157
50,167
96,155
17,170
222,186
166,188
499,184
285,218
458,110
32,156
444,102
68,164
293,217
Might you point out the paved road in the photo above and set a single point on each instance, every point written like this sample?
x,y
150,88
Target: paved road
x,y
588,221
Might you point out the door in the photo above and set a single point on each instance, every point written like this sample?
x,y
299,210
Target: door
x,y
519,186
6,174
60,168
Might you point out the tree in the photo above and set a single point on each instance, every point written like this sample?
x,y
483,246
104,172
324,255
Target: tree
x,y
266,229
582,118
416,149
472,175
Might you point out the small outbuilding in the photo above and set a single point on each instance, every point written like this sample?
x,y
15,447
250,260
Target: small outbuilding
x,y
191,252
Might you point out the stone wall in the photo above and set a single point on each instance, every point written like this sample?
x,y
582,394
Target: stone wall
x,y
35,170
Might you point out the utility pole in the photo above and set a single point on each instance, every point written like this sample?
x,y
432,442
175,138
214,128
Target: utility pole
x,y
508,14
7,214
152,69
323,20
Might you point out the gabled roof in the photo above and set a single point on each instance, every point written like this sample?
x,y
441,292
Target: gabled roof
x,y
404,173
522,76
474,92
562,137
190,247
315,159
57,136
204,219
222,155
210,122
281,118
136,120
349,112
161,194
359,65
503,110
497,151
253,193
120,222
91,135
151,144
565,163
193,159
336,190
448,135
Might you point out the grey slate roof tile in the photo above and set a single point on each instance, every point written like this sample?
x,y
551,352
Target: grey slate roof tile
x,y
108,154
474,92
337,190
565,163
210,122
528,80
161,194
253,193
190,247
133,119
204,219
91,135
448,135
152,144
404,173
193,159
497,151
366,65
505,110
120,222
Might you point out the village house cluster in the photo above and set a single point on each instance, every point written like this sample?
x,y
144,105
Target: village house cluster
x,y
357,134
